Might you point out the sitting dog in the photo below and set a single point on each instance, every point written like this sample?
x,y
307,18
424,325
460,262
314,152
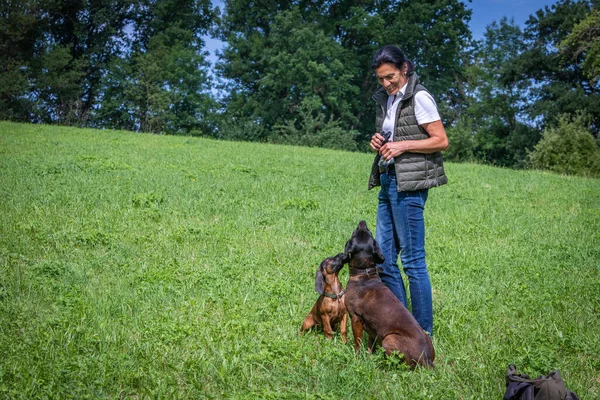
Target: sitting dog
x,y
374,307
329,311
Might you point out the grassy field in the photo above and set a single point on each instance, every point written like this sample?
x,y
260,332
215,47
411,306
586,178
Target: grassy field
x,y
137,266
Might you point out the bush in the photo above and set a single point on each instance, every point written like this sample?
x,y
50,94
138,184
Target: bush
x,y
235,128
462,143
568,148
311,128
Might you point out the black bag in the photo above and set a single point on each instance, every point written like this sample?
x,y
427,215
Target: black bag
x,y
549,387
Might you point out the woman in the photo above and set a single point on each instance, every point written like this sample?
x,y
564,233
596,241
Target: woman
x,y
408,163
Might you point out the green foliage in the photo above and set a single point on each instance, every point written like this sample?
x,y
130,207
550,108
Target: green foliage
x,y
163,89
111,64
150,266
19,29
312,130
162,86
560,85
463,142
569,148
494,110
59,86
296,67
78,42
584,41
56,53
233,127
516,86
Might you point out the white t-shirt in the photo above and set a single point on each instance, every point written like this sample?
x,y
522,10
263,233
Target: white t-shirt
x,y
425,110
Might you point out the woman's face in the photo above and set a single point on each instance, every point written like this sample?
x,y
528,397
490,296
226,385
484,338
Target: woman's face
x,y
391,78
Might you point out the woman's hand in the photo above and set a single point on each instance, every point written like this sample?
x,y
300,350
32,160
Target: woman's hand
x,y
376,141
387,149
437,141
392,149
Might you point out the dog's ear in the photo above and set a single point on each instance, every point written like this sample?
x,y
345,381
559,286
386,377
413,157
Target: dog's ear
x,y
319,283
348,250
379,257
345,257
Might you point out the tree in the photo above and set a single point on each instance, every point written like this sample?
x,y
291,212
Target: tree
x,y
136,65
558,85
54,54
307,77
20,30
80,40
495,107
161,85
584,41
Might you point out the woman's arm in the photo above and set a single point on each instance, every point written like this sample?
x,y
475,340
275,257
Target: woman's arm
x,y
437,141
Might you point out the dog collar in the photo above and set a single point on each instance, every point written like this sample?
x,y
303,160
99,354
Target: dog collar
x,y
366,271
334,296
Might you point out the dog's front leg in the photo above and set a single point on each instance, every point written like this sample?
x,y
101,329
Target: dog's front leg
x,y
327,326
344,327
357,330
372,346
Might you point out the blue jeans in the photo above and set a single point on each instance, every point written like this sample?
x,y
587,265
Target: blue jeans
x,y
400,230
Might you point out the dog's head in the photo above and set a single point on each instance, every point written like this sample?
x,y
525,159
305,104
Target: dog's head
x,y
327,272
363,247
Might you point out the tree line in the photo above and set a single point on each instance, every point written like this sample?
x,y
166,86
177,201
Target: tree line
x,y
298,72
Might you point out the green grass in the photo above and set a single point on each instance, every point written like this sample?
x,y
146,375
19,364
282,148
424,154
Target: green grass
x,y
138,266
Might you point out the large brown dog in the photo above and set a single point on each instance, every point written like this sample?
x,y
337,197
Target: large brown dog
x,y
374,307
330,310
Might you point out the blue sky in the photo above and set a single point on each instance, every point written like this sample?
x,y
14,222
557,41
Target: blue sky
x,y
487,11
484,13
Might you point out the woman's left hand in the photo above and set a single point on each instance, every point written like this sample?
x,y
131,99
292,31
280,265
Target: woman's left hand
x,y
437,141
392,149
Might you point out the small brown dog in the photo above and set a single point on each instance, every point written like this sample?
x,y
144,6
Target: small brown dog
x,y
330,310
374,307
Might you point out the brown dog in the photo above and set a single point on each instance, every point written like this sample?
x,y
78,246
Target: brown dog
x,y
330,310
374,307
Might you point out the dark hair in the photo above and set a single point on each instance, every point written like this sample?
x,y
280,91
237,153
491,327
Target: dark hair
x,y
392,55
